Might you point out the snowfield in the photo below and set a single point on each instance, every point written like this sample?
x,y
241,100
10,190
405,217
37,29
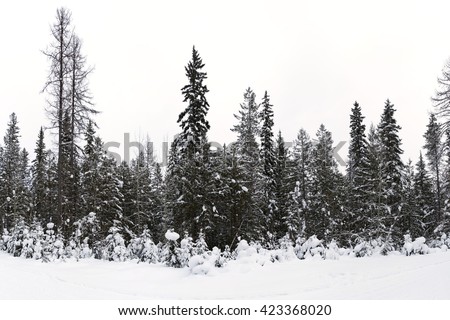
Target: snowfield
x,y
377,277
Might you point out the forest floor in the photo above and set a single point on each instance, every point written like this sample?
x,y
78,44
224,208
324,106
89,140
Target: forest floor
x,y
377,277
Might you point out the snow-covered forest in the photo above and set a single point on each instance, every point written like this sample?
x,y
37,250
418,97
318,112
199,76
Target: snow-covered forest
x,y
211,206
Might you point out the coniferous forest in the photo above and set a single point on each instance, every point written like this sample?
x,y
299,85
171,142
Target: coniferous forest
x,y
79,202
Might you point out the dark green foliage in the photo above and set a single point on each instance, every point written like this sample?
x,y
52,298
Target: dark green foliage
x,y
434,152
391,167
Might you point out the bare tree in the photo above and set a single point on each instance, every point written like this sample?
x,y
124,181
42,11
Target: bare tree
x,y
69,107
441,97
58,53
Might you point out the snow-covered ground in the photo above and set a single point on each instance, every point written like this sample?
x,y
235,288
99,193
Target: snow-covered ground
x,y
378,277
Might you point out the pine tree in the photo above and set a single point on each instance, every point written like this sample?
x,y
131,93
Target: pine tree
x,y
279,218
434,151
193,119
231,196
391,173
253,222
358,146
141,185
326,212
10,175
421,223
300,175
39,179
127,189
373,226
357,170
23,194
190,199
100,185
268,160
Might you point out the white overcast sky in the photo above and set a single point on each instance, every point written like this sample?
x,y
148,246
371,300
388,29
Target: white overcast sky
x,y
315,58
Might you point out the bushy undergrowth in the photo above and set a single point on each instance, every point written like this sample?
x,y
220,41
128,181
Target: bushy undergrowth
x,y
36,242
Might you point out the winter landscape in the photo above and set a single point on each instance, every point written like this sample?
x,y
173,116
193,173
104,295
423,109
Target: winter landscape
x,y
264,217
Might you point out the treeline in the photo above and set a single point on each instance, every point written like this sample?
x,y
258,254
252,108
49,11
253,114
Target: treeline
x,y
256,189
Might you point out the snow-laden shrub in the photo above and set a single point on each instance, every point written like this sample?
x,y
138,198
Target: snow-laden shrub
x,y
417,246
37,235
387,245
445,242
363,249
186,250
113,247
251,253
170,252
203,263
311,248
442,242
200,246
14,243
53,244
5,240
143,248
199,265
332,251
285,250
221,258
86,235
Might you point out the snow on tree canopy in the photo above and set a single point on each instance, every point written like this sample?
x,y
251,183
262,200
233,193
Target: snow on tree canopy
x,y
170,235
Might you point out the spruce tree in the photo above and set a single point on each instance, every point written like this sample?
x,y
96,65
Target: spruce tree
x,y
268,160
434,152
391,173
357,170
358,146
373,226
23,192
39,178
326,213
10,175
300,176
279,227
253,222
422,223
192,120
189,172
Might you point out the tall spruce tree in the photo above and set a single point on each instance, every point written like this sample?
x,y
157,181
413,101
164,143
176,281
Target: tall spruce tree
x,y
268,159
391,173
192,120
190,173
10,176
357,170
300,175
253,222
40,178
326,213
373,226
434,152
421,222
279,227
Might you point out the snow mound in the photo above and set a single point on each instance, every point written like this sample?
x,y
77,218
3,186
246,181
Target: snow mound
x,y
199,264
171,235
417,246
